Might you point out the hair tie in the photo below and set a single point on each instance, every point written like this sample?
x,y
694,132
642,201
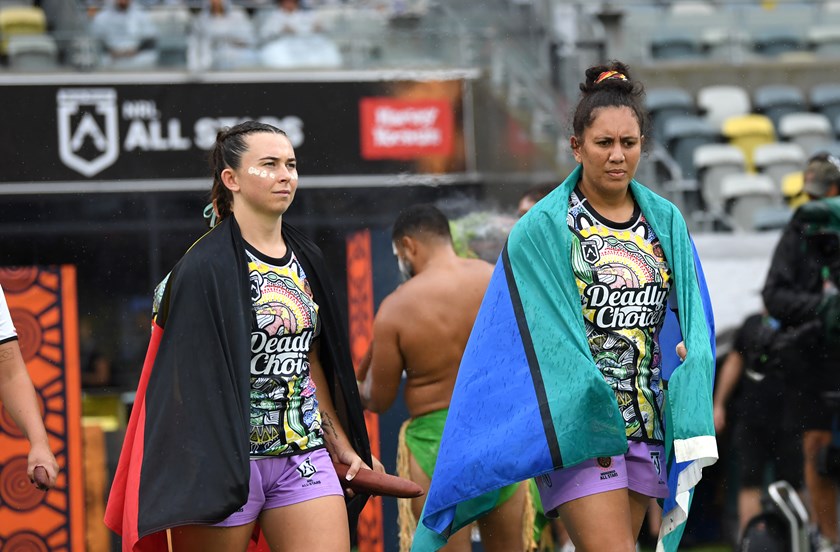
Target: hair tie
x,y
610,75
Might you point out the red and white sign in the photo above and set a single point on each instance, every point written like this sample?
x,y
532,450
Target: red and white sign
x,y
405,129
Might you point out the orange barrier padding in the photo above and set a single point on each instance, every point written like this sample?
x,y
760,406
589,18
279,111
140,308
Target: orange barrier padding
x,y
360,313
42,302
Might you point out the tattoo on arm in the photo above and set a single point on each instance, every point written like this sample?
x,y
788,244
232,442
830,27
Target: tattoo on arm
x,y
328,426
6,354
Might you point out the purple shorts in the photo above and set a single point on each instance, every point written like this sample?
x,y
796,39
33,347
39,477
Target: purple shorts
x,y
642,470
286,480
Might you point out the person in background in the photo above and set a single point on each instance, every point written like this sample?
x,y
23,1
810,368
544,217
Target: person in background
x,y
127,34
802,281
293,37
532,196
751,378
248,395
421,330
17,395
96,366
223,38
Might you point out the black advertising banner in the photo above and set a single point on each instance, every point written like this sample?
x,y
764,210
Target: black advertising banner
x,y
95,131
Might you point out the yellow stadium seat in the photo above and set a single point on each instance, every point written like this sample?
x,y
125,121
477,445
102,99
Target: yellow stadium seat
x,y
746,132
20,20
792,190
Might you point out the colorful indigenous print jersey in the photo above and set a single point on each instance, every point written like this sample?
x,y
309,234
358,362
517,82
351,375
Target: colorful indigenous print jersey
x,y
284,411
624,283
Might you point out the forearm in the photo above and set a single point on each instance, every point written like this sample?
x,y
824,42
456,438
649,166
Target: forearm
x,y
18,394
730,374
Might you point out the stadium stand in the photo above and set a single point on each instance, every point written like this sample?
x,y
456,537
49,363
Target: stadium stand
x,y
664,103
745,196
809,130
713,162
775,100
719,102
779,159
746,132
682,135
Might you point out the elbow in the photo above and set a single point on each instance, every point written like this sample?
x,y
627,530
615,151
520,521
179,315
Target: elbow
x,y
373,405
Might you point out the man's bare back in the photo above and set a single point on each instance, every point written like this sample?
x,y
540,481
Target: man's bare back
x,y
421,330
433,314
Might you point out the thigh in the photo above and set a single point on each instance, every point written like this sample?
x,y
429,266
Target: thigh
x,y
501,529
208,538
317,525
602,521
417,475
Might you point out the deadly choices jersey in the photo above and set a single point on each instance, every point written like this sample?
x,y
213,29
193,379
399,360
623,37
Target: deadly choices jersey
x,y
284,411
624,283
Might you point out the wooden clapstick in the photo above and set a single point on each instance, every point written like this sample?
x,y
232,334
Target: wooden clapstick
x,y
376,483
42,480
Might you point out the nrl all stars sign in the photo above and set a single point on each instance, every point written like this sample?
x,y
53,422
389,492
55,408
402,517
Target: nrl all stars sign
x,y
165,131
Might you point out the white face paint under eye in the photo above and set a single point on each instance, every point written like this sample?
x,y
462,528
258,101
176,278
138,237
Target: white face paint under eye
x,y
261,173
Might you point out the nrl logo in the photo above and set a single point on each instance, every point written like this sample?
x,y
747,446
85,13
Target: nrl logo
x,y
88,134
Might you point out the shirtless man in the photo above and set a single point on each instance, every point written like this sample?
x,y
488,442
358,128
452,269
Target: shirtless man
x,y
422,329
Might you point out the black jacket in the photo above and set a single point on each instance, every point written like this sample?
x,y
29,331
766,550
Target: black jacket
x,y
793,291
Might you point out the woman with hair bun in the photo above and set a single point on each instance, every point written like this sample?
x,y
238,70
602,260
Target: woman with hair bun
x,y
248,394
585,283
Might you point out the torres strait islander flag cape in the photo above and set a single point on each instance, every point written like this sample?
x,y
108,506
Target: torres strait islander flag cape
x,y
185,455
529,398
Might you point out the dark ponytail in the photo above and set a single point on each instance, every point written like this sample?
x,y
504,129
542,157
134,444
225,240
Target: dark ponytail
x,y
609,85
227,152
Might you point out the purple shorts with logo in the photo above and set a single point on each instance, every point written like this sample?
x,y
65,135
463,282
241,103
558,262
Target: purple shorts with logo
x,y
642,470
286,480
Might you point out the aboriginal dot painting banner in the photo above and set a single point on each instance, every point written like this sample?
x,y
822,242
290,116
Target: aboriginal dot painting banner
x,y
42,302
360,312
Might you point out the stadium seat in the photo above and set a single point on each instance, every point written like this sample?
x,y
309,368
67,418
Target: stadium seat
x,y
719,102
779,159
792,191
20,20
824,40
775,100
675,45
745,196
712,162
32,53
809,130
682,135
746,132
663,103
825,98
832,147
776,41
725,43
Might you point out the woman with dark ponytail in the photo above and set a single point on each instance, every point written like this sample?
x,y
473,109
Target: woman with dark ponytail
x,y
248,394
586,281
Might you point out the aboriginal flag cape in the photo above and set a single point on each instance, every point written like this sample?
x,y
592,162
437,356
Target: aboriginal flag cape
x,y
185,455
529,398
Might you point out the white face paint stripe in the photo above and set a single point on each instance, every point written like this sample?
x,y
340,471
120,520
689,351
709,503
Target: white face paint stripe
x,y
261,173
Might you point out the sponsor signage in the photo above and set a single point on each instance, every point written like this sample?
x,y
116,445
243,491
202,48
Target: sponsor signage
x,y
405,129
103,132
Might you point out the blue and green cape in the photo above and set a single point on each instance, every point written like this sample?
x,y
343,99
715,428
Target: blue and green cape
x,y
529,398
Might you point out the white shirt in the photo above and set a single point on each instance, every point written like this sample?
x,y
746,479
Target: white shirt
x,y
7,329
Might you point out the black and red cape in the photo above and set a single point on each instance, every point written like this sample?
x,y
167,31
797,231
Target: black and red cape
x,y
185,455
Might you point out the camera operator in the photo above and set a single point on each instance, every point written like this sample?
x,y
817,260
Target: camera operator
x,y
751,378
801,290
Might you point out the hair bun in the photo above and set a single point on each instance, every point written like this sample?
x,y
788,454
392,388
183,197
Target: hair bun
x,y
613,74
